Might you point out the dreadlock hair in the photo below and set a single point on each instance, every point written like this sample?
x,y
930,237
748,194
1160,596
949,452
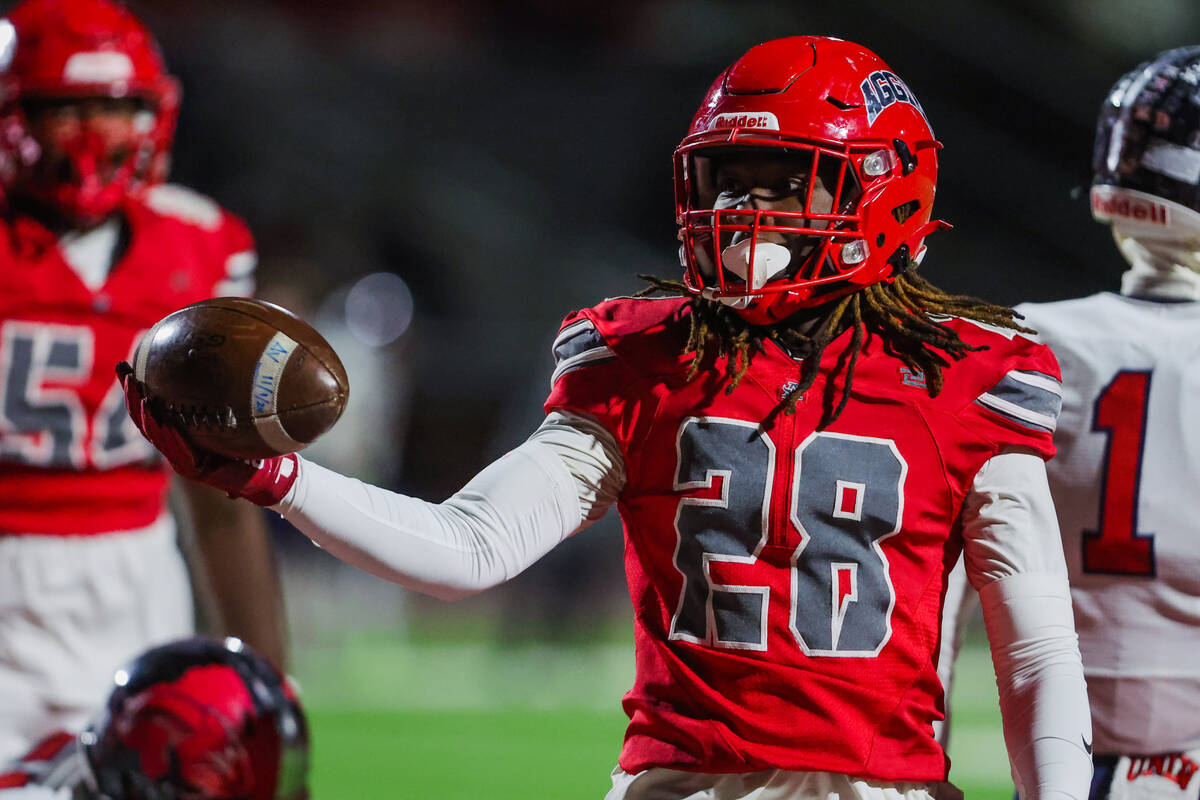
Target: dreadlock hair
x,y
902,313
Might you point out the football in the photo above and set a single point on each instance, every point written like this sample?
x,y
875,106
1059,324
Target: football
x,y
241,377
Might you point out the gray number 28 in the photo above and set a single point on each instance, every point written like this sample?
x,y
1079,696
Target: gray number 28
x,y
847,496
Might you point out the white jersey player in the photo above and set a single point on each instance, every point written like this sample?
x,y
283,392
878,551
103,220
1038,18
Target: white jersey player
x,y
1127,473
1128,460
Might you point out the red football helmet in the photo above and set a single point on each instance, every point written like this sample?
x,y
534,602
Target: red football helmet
x,y
199,719
859,162
74,49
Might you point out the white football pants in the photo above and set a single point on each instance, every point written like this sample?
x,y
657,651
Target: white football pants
x,y
671,784
72,610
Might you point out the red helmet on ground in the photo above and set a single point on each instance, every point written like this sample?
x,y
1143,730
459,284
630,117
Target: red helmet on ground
x,y
199,719
835,115
74,49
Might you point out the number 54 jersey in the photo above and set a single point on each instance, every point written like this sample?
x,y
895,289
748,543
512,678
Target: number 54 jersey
x,y
787,581
71,461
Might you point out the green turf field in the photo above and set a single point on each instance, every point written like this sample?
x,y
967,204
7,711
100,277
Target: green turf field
x,y
464,755
469,721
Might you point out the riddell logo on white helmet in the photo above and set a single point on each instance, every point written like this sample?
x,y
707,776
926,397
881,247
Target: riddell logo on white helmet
x,y
764,120
1109,205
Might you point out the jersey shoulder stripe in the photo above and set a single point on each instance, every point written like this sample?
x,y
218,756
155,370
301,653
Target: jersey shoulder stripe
x,y
618,356
185,205
646,334
239,275
1030,399
577,345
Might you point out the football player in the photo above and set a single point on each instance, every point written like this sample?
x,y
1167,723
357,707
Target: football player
x,y
801,437
94,249
197,718
1129,440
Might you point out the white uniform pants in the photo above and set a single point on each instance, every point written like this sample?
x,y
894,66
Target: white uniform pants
x,y
670,784
72,610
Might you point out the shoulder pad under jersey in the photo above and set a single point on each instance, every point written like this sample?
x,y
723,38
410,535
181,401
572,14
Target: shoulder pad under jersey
x,y
610,358
183,204
218,238
1010,392
646,334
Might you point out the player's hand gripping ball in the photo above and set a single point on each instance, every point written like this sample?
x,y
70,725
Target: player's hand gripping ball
x,y
242,378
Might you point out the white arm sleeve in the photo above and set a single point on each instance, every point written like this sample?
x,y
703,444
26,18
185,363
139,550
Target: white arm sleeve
x,y
1013,555
563,477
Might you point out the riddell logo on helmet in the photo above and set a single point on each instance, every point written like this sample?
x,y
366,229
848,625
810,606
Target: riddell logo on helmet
x,y
881,90
1106,205
748,119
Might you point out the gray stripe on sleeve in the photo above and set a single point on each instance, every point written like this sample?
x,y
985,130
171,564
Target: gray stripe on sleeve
x,y
1031,399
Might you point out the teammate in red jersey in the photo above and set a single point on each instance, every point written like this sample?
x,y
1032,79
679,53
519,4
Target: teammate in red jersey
x,y
93,250
801,442
196,718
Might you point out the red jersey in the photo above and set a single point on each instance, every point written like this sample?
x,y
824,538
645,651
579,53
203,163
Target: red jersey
x,y
787,582
71,461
